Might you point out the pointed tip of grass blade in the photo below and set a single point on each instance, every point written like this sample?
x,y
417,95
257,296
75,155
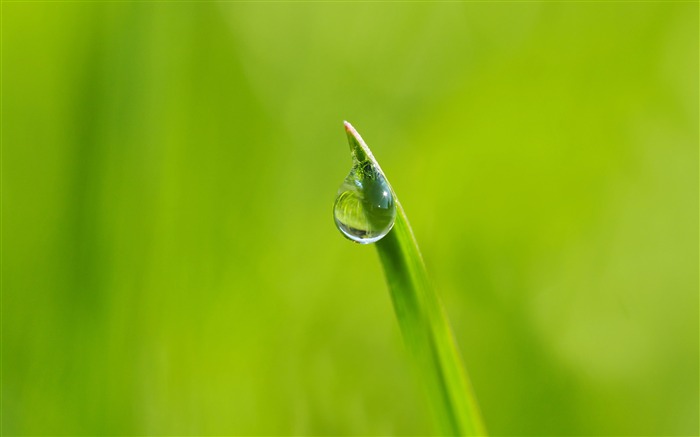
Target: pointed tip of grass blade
x,y
353,136
357,145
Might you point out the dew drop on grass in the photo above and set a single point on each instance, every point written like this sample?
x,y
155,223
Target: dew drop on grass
x,y
364,210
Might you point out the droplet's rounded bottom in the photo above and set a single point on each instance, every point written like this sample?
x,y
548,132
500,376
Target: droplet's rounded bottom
x,y
360,236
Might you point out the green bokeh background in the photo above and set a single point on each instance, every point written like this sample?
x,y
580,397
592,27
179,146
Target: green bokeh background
x,y
169,259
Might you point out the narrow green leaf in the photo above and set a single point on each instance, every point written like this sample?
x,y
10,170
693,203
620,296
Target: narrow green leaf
x,y
423,321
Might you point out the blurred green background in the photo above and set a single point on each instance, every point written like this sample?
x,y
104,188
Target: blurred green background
x,y
169,259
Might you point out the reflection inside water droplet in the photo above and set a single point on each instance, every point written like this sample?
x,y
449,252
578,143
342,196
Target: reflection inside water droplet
x,y
364,210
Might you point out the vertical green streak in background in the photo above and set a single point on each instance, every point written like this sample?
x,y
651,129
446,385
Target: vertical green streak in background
x,y
423,322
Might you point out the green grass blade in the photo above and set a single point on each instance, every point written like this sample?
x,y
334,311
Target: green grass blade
x,y
423,323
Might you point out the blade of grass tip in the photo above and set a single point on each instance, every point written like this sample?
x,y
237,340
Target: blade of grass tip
x,y
423,321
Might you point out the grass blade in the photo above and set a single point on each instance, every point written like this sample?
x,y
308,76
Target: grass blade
x,y
423,322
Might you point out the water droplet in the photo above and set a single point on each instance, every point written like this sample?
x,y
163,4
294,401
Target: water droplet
x,y
364,210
